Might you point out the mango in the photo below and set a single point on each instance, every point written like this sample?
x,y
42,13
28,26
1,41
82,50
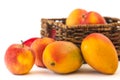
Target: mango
x,y
100,53
62,57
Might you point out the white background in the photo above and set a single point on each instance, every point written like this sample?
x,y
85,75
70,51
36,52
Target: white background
x,y
20,20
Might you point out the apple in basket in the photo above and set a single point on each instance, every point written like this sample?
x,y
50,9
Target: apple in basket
x,y
81,16
76,17
93,17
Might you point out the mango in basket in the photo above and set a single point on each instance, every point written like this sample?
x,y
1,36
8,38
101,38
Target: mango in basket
x,y
62,57
99,52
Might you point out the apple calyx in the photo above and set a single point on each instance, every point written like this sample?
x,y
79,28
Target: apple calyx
x,y
83,16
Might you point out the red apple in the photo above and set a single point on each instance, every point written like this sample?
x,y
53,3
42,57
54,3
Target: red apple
x,y
38,47
19,59
28,42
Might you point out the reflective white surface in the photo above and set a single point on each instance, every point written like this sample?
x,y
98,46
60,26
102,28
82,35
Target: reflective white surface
x,y
20,20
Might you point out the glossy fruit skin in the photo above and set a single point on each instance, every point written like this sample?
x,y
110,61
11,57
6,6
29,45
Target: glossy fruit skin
x,y
62,57
38,47
19,59
93,17
28,42
100,53
81,16
76,17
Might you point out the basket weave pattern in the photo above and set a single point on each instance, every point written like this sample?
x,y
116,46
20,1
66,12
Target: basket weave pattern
x,y
76,33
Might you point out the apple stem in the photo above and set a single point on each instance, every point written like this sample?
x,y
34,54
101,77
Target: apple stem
x,y
22,43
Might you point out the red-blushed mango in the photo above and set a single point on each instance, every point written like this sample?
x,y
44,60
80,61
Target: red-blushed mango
x,y
38,47
62,57
100,53
76,17
93,17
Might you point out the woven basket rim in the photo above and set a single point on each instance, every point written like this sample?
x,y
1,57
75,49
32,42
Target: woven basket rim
x,y
115,18
62,25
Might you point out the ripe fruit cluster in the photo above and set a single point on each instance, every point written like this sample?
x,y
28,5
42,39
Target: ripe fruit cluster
x,y
81,16
63,56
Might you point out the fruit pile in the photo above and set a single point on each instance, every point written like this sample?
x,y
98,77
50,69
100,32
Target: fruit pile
x,y
65,57
81,16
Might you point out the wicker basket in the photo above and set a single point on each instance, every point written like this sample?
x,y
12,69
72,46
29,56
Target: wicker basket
x,y
57,29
